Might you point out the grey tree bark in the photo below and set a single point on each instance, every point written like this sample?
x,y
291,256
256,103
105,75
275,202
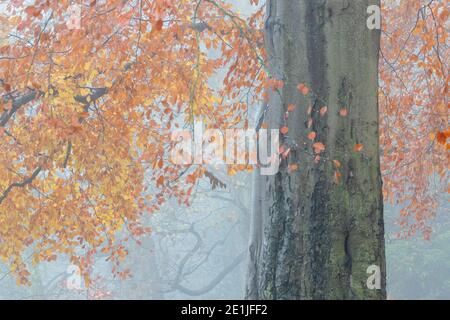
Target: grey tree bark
x,y
313,238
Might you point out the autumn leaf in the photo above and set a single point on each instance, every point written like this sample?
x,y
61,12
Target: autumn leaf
x,y
275,84
323,110
232,172
303,89
160,181
337,176
158,25
291,107
441,138
337,163
284,130
432,136
319,147
124,19
343,112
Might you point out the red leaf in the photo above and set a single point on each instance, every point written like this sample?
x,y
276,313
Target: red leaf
x,y
441,138
337,163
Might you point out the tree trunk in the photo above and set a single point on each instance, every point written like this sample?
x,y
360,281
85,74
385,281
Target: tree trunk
x,y
313,237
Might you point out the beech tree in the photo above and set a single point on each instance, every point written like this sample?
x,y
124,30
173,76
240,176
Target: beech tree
x,y
318,223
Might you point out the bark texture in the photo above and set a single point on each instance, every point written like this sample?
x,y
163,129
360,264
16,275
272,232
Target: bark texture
x,y
312,238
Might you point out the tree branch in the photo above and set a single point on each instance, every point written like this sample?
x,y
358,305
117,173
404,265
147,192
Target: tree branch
x,y
214,282
21,184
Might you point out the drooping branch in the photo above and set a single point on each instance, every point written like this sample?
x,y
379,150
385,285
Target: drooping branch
x,y
96,93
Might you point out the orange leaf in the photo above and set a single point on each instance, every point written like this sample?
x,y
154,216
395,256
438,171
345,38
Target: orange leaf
x,y
319,147
323,110
275,84
284,130
337,163
232,172
76,122
447,133
160,181
293,167
158,25
291,107
124,19
303,89
312,135
343,112
441,137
